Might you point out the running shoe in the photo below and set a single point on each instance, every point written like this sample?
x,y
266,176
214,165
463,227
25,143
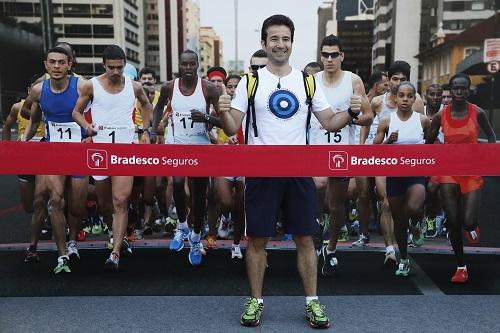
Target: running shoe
x,y
97,227
31,255
223,230
236,252
390,259
355,229
46,231
253,312
112,262
172,211
195,253
72,251
177,242
474,236
403,267
353,214
138,234
211,242
126,246
287,237
62,265
316,315
87,225
432,230
81,236
147,230
158,224
461,275
362,241
330,262
170,225
344,234
417,236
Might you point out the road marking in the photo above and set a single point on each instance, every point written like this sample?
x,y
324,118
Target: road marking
x,y
422,281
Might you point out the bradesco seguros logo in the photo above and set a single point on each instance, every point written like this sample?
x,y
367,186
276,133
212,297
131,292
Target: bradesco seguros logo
x,y
97,159
338,160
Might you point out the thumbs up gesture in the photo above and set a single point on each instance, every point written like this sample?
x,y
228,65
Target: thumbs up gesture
x,y
224,101
355,103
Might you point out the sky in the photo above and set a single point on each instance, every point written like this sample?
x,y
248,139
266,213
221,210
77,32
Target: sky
x,y
251,13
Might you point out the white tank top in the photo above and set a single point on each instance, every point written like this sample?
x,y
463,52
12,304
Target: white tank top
x,y
112,113
385,110
409,131
184,130
372,133
338,98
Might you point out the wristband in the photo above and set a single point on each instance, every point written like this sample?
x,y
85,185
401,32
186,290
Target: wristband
x,y
352,114
207,118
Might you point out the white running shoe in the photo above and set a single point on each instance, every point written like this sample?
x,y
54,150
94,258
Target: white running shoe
x,y
223,230
72,251
236,252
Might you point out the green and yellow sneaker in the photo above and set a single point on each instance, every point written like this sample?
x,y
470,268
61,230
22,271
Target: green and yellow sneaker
x,y
62,265
252,314
316,316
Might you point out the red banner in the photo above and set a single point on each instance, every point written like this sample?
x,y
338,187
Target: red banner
x,y
242,160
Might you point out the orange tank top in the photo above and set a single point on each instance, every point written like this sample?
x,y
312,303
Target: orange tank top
x,y
460,130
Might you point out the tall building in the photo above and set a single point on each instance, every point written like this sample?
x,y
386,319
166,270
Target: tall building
x,y
89,26
356,35
172,40
192,25
210,49
151,33
332,12
396,34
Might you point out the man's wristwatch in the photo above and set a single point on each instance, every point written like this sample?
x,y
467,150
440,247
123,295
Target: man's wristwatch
x,y
352,114
207,118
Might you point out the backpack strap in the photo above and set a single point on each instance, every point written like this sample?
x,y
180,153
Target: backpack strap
x,y
310,88
252,84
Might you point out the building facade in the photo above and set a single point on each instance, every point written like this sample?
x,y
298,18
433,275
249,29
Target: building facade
x,y
211,53
89,27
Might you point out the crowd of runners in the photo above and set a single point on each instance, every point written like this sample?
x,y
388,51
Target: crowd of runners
x,y
272,103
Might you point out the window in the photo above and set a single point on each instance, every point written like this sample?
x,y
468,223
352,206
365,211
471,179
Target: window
x,y
83,50
78,30
76,10
433,11
477,5
102,10
98,49
453,25
103,31
470,50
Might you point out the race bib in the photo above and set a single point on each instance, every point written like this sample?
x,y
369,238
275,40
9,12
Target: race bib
x,y
185,126
114,134
323,137
64,132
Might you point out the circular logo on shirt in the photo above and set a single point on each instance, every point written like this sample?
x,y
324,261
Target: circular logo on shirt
x,y
283,104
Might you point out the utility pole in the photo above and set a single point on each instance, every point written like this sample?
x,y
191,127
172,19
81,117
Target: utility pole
x,y
47,24
236,69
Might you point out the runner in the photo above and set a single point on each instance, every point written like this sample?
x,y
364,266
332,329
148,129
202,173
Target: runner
x,y
313,68
54,99
461,195
379,85
446,96
406,194
113,97
343,90
188,95
33,188
280,84
258,60
433,201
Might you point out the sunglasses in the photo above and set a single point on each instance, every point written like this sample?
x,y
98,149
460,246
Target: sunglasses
x,y
256,67
331,54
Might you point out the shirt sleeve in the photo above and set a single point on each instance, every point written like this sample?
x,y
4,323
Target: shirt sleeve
x,y
240,100
319,102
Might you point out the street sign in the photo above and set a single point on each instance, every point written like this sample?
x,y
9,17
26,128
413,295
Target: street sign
x,y
491,50
493,67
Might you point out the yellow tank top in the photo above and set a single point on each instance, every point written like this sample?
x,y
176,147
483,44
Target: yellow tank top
x,y
137,112
23,122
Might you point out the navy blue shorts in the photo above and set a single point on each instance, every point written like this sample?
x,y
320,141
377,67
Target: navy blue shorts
x,y
396,186
295,197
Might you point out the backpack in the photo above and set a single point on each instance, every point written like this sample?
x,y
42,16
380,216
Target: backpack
x,y
253,83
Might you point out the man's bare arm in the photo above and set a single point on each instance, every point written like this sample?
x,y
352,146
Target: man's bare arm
x,y
86,95
10,121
